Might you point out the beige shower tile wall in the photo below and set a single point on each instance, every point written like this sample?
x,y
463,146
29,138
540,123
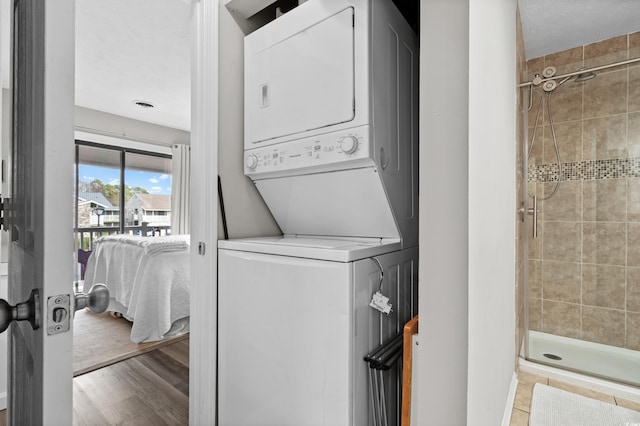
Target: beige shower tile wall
x,y
606,52
605,137
584,267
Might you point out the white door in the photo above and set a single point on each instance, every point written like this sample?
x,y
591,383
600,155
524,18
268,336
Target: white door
x,y
41,211
299,75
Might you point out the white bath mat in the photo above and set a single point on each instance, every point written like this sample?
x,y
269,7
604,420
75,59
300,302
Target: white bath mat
x,y
554,407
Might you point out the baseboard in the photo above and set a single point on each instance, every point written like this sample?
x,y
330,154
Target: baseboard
x,y
511,397
3,401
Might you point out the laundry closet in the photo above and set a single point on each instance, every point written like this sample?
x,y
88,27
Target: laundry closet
x,y
331,145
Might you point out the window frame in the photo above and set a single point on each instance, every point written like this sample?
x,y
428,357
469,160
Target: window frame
x,y
123,152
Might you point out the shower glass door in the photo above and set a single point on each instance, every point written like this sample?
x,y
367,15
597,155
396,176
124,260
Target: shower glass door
x,y
584,168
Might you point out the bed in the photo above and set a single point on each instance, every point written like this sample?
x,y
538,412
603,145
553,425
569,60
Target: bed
x,y
148,280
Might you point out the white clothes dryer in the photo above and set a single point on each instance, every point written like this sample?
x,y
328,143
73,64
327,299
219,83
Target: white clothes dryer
x,y
331,120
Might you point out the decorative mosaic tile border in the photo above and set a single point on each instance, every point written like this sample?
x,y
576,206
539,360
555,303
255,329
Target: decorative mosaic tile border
x,y
585,170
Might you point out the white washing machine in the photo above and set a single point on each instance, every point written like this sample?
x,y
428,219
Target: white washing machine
x,y
331,143
295,325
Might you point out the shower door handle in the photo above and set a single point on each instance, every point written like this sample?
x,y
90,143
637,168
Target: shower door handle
x,y
534,212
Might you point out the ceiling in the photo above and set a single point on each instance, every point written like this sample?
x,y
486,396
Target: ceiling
x,y
130,50
553,25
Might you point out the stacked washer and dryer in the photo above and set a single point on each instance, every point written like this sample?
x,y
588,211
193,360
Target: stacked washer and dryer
x,y
331,131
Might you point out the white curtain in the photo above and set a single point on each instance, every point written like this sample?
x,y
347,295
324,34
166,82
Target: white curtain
x,y
180,184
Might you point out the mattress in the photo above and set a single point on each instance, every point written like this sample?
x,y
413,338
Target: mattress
x,y
148,280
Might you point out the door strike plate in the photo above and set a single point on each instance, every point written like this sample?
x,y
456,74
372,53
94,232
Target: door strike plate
x,y
58,317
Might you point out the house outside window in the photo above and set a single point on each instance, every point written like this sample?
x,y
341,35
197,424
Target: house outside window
x,y
155,209
89,204
109,177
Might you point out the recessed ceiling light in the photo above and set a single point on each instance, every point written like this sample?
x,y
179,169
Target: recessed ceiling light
x,y
144,104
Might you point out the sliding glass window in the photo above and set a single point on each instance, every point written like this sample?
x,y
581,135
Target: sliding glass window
x,y
147,192
119,190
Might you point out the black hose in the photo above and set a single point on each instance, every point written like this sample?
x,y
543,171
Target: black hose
x,y
224,216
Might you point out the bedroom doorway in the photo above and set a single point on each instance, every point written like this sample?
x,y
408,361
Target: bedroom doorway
x,y
108,124
132,111
119,191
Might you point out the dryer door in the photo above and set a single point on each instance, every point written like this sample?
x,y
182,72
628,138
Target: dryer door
x,y
299,78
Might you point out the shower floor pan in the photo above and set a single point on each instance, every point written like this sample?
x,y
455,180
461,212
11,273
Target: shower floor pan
x,y
619,364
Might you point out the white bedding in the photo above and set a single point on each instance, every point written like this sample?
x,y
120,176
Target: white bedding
x,y
148,280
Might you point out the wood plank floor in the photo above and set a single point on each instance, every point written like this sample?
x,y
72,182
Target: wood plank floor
x,y
149,389
101,339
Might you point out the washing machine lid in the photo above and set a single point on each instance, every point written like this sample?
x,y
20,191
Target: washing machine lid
x,y
312,247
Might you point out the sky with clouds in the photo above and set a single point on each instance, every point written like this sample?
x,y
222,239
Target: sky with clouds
x,y
154,183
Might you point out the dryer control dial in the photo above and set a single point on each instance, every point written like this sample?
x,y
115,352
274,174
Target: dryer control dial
x,y
251,161
349,144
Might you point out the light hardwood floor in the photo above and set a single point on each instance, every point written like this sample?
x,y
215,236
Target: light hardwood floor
x,y
149,389
101,339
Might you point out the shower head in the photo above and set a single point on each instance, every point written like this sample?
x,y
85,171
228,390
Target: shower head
x,y
579,79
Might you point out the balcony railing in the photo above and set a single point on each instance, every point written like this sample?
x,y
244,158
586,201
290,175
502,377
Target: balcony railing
x,y
87,236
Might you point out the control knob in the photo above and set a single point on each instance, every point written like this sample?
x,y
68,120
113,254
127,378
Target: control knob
x,y
251,161
349,144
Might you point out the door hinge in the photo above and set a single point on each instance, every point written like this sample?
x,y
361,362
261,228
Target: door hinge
x,y
4,223
202,247
6,218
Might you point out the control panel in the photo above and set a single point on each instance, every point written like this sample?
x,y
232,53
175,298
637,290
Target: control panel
x,y
320,150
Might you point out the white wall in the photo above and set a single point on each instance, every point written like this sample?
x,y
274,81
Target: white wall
x,y
444,207
492,215
205,104
467,217
103,123
247,215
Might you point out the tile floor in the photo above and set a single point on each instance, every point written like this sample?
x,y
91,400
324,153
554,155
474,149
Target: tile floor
x,y
522,403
